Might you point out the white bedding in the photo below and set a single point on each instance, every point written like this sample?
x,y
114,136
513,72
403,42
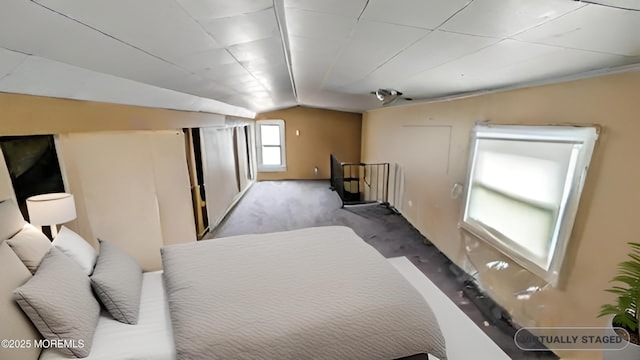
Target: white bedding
x,y
315,293
151,338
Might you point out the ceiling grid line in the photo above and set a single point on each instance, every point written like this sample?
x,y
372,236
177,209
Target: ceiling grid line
x,y
106,34
278,8
333,63
453,15
13,69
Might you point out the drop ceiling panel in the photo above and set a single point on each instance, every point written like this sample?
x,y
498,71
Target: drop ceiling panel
x,y
349,8
206,60
216,9
302,45
595,28
37,76
262,64
315,25
270,48
371,45
244,28
339,101
477,70
427,14
555,64
9,60
75,44
167,31
43,77
501,18
435,49
121,91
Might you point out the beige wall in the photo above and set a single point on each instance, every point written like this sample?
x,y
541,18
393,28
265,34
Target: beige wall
x,y
609,206
31,115
322,132
132,189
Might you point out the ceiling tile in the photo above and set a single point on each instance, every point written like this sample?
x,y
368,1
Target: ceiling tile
x,y
437,48
9,60
499,65
371,45
215,9
261,64
111,89
270,48
338,101
206,60
70,42
595,28
325,47
43,77
315,25
167,32
561,62
38,76
350,8
428,14
234,69
433,50
501,18
244,28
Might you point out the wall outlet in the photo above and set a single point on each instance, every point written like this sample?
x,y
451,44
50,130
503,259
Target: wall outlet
x,y
315,170
410,203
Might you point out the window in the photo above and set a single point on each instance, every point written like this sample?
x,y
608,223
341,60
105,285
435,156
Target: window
x,y
524,185
271,145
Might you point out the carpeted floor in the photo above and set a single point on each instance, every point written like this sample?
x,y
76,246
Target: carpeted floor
x,y
272,206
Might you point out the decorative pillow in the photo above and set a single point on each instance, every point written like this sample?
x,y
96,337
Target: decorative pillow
x,y
31,245
16,324
59,302
11,220
117,281
77,248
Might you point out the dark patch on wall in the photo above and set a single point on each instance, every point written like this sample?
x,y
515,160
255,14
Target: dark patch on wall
x,y
33,166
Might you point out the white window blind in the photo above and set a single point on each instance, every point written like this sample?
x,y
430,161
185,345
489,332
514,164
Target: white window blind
x,y
524,185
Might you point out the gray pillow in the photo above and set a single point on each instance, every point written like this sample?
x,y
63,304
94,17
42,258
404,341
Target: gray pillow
x,y
117,281
11,220
59,302
15,324
31,245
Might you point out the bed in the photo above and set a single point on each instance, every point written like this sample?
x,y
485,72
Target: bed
x,y
319,293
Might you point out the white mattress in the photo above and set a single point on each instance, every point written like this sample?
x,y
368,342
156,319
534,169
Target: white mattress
x,y
151,338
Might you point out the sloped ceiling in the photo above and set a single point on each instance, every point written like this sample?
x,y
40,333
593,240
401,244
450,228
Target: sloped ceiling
x,y
239,57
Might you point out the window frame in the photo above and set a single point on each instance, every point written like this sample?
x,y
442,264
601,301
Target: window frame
x,y
586,136
283,150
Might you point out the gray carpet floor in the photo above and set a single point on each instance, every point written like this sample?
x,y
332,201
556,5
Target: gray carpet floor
x,y
271,206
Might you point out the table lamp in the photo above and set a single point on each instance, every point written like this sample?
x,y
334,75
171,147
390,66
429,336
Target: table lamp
x,y
51,209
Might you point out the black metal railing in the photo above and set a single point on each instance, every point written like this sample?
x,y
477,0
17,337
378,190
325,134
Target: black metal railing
x,y
360,183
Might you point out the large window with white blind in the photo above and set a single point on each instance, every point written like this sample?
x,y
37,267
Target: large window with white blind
x,y
271,145
523,190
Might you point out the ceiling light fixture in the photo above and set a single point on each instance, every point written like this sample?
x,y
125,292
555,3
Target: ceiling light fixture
x,y
388,96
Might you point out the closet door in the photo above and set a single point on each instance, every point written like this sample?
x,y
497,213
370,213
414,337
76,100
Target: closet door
x,y
134,189
219,164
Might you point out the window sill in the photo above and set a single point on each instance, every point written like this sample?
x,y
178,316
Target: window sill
x,y
272,169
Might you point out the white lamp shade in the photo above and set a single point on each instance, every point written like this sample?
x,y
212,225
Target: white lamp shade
x,y
51,209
